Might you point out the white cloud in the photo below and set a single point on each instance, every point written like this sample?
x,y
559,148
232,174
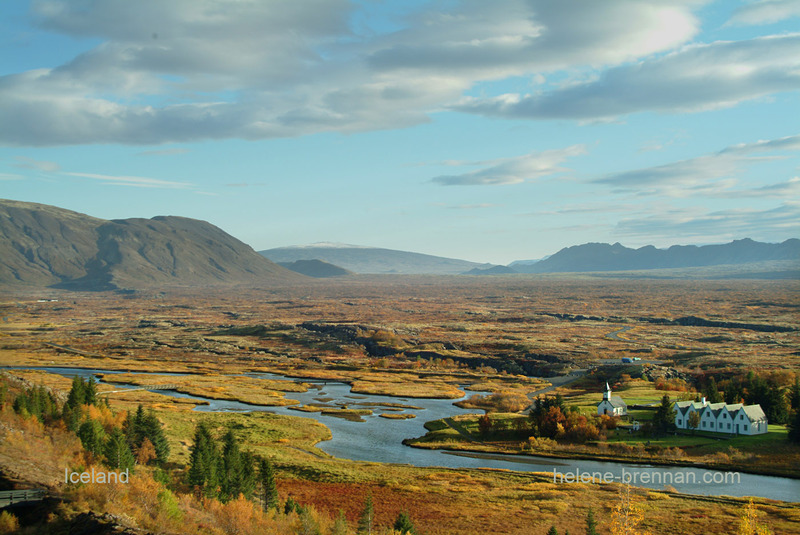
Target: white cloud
x,y
515,170
774,224
484,41
766,12
11,176
695,78
188,70
711,174
134,181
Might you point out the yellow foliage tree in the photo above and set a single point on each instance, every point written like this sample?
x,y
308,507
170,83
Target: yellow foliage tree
x,y
749,523
146,453
627,515
8,523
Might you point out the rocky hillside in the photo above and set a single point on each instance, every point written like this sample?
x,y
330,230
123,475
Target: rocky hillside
x,y
48,246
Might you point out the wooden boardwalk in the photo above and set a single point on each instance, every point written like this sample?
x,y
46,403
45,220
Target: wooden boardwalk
x,y
149,388
14,497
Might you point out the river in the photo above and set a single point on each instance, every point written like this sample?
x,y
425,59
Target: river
x,y
380,440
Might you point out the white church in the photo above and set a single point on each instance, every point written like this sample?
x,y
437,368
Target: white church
x,y
612,405
734,418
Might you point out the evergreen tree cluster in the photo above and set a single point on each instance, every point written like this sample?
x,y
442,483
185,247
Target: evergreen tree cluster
x,y
794,418
664,417
753,390
221,470
37,401
146,426
82,393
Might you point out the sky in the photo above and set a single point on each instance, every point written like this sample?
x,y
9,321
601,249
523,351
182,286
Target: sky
x,y
487,131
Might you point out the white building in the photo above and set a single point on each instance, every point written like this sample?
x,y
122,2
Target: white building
x,y
735,419
612,405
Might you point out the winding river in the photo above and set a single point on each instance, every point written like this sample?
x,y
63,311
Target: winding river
x,y
380,440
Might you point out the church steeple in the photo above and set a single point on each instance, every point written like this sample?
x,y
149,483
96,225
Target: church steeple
x,y
607,393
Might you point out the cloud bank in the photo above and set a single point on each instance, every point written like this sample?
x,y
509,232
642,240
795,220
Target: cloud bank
x,y
189,70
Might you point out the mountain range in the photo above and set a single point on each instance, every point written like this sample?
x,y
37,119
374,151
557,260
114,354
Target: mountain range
x,y
44,245
373,260
48,246
616,257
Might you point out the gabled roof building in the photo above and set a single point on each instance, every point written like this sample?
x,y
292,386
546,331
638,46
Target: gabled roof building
x,y
612,405
735,418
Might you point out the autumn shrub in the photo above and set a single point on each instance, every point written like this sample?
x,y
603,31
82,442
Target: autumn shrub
x,y
541,443
675,384
720,457
169,505
582,433
673,453
8,522
608,422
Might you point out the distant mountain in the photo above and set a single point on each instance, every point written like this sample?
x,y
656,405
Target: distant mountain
x,y
515,263
48,246
494,270
361,259
315,268
605,257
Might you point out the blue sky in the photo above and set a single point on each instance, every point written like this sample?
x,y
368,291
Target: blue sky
x,y
489,131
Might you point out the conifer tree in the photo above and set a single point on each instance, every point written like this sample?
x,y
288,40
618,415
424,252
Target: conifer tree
x,y
291,506
269,490
233,468
591,523
77,394
153,429
339,525
367,517
118,453
204,462
775,407
249,475
794,427
664,417
552,531
794,394
733,392
38,402
93,436
90,391
711,391
403,524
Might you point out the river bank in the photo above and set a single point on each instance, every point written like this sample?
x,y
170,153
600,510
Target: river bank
x,y
377,439
484,449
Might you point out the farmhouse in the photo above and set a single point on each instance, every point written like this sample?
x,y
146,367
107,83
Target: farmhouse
x,y
612,405
734,418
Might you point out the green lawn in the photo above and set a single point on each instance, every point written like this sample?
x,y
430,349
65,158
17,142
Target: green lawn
x,y
704,443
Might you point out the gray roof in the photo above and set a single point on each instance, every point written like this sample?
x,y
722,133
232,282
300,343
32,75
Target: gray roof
x,y
616,401
754,413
